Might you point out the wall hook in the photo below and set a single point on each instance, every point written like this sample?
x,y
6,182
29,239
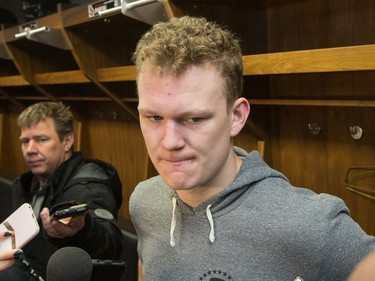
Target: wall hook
x,y
356,132
314,128
29,32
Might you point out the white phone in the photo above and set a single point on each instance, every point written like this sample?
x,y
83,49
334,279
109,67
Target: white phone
x,y
24,225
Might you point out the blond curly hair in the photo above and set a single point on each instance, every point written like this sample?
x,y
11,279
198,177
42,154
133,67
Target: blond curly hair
x,y
174,46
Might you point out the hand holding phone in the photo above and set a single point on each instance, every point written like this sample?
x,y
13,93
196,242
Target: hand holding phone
x,y
64,220
69,212
24,226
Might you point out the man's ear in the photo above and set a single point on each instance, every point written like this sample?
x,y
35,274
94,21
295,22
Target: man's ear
x,y
240,113
69,141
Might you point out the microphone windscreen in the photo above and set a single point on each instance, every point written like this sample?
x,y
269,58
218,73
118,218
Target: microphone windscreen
x,y
69,264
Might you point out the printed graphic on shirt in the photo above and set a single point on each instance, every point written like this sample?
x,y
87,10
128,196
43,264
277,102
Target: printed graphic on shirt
x,y
216,275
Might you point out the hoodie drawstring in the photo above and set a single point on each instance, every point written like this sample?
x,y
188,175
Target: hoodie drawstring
x,y
211,237
173,223
211,221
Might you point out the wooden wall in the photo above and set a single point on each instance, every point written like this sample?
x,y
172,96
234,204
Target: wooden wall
x,y
319,162
316,162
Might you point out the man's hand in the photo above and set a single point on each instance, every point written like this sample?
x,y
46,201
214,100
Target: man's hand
x,y
63,228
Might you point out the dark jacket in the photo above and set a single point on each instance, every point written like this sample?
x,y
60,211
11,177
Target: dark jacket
x,y
93,182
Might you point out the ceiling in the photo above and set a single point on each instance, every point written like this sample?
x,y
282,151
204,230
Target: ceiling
x,y
15,7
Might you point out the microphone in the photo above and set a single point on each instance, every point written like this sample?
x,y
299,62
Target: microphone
x,y
69,264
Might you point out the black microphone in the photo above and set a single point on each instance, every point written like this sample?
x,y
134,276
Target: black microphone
x,y
69,264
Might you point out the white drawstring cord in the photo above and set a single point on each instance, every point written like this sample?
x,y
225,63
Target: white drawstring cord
x,y
173,223
211,221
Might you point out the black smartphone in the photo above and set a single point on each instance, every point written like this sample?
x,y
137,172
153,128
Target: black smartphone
x,y
69,212
108,270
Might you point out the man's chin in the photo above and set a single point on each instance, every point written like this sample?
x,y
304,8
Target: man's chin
x,y
177,184
38,171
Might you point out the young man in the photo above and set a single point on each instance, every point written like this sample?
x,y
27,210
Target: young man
x,y
216,212
59,178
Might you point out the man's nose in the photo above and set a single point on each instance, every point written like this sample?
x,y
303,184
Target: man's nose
x,y
173,138
31,147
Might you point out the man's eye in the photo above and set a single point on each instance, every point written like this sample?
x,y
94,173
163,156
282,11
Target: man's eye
x,y
42,139
194,120
156,118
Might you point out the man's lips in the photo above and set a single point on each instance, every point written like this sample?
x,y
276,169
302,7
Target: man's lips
x,y
34,162
176,161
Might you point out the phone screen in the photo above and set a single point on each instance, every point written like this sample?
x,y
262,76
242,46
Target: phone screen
x,y
24,225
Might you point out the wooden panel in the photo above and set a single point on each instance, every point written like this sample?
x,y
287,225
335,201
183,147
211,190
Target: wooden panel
x,y
12,163
331,28
321,162
346,103
1,135
14,80
63,77
105,43
312,24
246,140
310,61
249,24
336,101
346,153
121,144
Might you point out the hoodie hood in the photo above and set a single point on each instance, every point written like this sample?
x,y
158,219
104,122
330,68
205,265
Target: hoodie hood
x,y
94,170
253,170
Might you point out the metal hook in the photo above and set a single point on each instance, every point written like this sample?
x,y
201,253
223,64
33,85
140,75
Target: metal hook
x,y
314,128
356,132
29,31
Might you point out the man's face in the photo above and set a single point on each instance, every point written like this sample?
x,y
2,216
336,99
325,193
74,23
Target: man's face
x,y
42,149
186,127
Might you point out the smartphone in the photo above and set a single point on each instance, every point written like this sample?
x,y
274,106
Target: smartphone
x,y
69,212
24,225
108,270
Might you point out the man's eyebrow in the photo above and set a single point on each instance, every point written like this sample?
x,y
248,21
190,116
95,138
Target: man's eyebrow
x,y
181,114
198,112
146,111
34,137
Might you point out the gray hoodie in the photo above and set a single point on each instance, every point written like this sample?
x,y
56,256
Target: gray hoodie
x,y
258,228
